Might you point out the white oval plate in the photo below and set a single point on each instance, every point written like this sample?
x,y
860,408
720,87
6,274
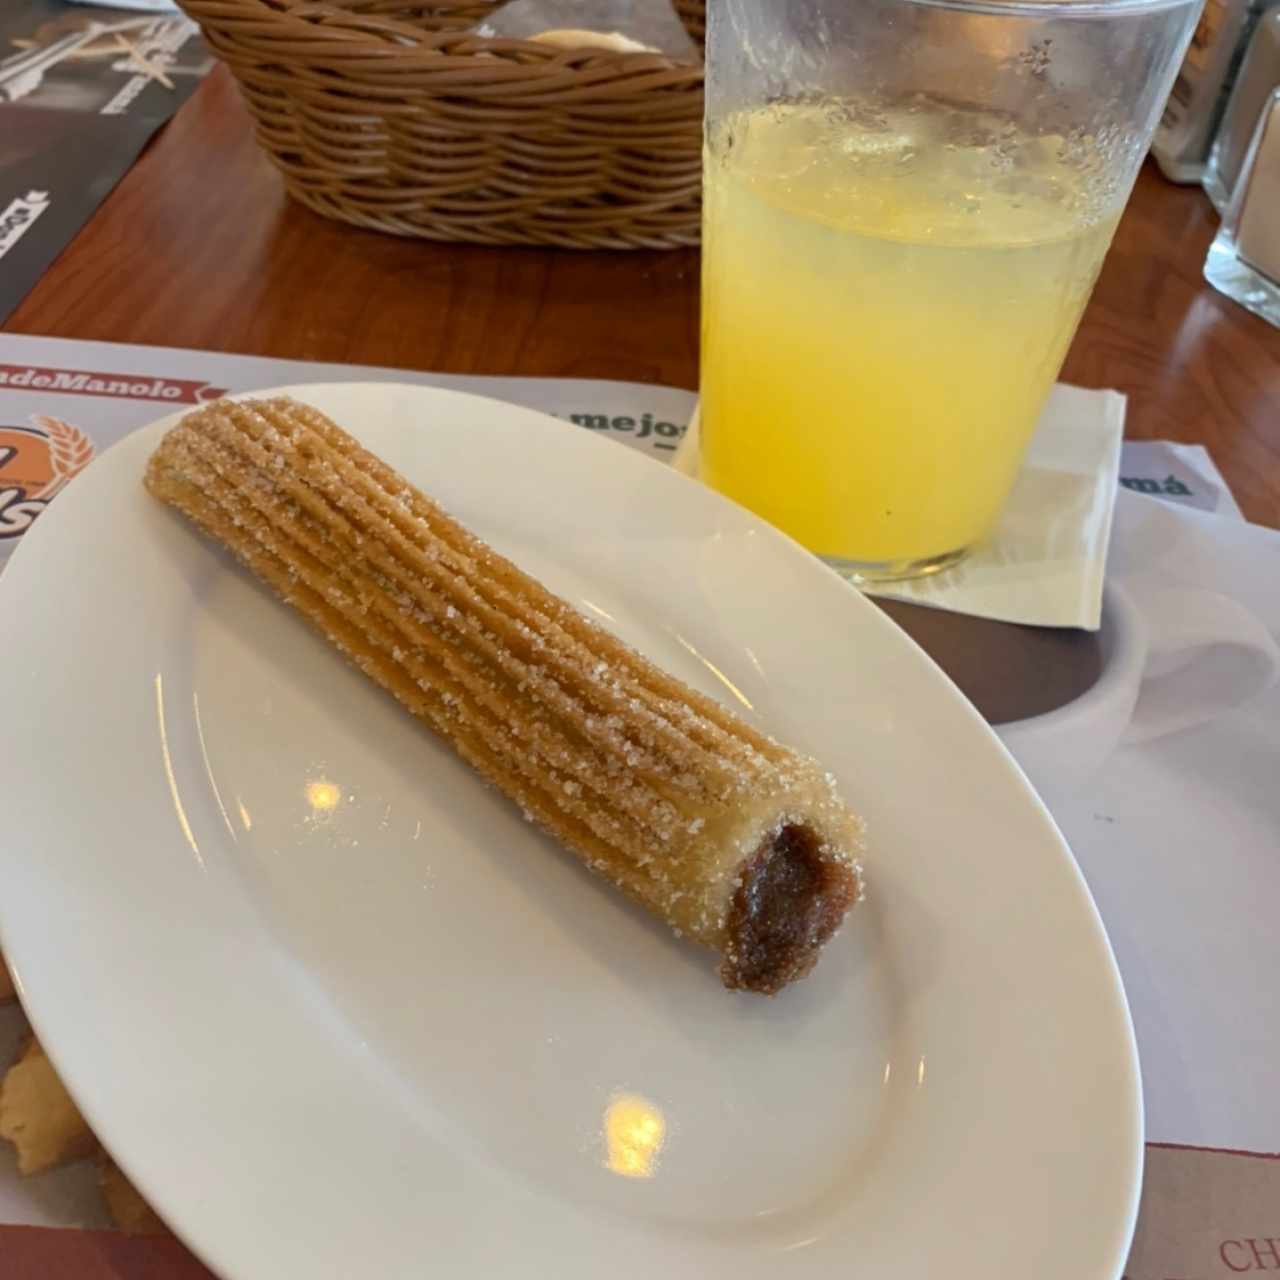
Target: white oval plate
x,y
339,1011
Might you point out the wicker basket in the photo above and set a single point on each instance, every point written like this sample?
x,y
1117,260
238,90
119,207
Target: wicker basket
x,y
387,114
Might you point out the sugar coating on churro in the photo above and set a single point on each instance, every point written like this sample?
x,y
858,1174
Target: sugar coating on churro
x,y
736,841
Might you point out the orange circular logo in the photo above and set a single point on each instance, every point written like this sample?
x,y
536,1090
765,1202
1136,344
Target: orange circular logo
x,y
25,460
35,462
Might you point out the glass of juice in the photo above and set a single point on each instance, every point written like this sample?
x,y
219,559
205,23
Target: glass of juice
x,y
906,205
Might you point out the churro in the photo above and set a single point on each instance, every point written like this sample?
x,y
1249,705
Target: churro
x,y
737,842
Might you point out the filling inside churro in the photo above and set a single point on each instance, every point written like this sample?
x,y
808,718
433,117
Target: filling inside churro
x,y
791,900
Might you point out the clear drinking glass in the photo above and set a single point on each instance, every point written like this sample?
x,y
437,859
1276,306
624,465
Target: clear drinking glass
x,y
1244,258
906,205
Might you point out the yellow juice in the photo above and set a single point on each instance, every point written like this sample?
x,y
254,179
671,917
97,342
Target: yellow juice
x,y
887,299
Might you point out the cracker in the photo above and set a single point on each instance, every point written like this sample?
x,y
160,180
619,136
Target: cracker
x,y
129,1211
38,1116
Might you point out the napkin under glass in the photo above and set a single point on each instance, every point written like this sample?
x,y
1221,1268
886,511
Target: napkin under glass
x,y
1045,562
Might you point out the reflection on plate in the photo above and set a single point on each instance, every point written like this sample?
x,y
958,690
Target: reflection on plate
x,y
336,1008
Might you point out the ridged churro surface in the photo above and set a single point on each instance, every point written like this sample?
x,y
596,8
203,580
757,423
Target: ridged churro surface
x,y
736,841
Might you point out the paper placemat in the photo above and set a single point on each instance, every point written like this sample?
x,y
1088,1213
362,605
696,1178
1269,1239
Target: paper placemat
x,y
1193,930
1183,474
62,401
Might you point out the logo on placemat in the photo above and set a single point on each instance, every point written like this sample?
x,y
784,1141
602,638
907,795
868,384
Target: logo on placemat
x,y
16,220
35,463
112,386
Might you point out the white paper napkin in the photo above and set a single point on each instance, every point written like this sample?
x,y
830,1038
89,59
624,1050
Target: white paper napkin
x,y
1178,838
1045,563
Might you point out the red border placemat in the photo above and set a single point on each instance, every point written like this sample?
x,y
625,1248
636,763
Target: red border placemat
x,y
65,1253
1206,1213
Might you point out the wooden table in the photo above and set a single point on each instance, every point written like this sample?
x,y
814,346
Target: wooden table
x,y
198,247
